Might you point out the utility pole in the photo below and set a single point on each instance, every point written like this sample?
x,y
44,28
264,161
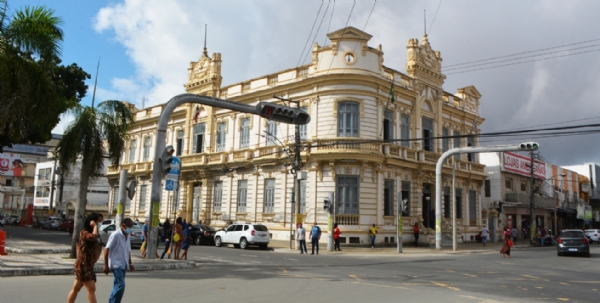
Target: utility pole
x,y
297,167
52,186
531,199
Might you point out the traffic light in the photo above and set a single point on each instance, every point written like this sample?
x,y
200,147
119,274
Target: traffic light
x,y
328,203
281,113
529,146
167,159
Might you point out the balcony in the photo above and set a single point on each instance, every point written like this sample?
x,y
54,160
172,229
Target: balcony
x,y
338,145
347,219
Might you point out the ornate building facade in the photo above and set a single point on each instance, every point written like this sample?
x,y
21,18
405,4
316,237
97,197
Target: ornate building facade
x,y
359,145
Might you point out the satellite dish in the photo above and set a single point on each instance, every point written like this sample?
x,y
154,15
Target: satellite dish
x,y
131,189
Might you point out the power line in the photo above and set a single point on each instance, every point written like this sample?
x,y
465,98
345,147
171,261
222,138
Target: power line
x,y
436,12
311,31
542,59
521,53
517,58
317,32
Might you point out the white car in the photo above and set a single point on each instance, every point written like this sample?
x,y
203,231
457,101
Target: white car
x,y
593,235
241,235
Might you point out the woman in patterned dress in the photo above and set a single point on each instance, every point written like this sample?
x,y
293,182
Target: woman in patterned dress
x,y
86,258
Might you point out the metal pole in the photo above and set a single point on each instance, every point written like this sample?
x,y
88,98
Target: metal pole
x,y
297,167
399,208
292,214
330,223
52,186
60,194
555,216
531,206
453,199
122,198
438,179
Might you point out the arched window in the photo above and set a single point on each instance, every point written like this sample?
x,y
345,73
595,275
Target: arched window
x,y
348,119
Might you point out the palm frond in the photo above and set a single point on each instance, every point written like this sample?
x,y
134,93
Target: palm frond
x,y
36,30
115,120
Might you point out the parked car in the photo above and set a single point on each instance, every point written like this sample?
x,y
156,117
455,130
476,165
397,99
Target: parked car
x,y
12,219
593,235
241,235
108,222
51,223
1,220
202,234
66,225
135,236
573,241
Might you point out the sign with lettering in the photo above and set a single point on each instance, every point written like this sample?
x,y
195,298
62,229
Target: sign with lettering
x,y
518,164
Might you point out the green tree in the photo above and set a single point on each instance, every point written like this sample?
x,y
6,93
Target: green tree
x,y
34,89
95,134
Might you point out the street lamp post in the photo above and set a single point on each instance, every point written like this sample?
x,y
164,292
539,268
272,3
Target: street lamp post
x,y
400,208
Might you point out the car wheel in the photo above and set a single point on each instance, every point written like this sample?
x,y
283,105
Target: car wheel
x,y
243,243
198,241
264,246
587,255
558,254
218,242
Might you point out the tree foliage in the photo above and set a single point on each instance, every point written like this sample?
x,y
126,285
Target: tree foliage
x,y
35,89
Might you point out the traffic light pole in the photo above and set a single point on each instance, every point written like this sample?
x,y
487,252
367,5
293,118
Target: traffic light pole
x,y
528,146
533,222
264,109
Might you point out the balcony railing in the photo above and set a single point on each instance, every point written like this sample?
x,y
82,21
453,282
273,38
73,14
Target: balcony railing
x,y
373,147
347,219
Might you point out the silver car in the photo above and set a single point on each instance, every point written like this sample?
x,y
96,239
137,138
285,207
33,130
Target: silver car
x,y
135,236
573,241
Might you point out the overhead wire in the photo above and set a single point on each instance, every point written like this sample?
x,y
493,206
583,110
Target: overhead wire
x,y
310,34
317,32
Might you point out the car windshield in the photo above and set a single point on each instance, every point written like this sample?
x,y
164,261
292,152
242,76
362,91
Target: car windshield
x,y
260,228
571,234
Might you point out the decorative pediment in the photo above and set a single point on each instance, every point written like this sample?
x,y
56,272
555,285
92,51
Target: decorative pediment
x,y
200,69
349,33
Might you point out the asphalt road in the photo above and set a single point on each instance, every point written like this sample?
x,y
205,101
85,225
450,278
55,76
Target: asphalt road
x,y
229,274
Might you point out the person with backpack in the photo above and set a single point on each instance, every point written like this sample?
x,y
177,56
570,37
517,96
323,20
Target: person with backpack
x,y
315,236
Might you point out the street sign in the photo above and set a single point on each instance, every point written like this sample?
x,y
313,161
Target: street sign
x,y
172,177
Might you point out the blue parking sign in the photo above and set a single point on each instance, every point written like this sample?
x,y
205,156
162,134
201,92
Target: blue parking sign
x,y
172,178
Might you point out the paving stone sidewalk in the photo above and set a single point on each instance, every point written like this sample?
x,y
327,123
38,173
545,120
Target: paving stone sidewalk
x,y
27,258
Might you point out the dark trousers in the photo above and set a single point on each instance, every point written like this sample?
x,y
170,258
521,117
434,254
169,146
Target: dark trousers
x,y
167,243
417,240
337,244
302,246
315,243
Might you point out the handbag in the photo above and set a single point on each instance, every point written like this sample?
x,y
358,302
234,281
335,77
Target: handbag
x,y
176,238
510,243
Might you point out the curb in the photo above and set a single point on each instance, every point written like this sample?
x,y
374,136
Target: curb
x,y
68,270
37,251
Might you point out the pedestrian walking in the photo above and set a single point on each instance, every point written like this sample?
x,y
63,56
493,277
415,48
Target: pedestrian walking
x,y
373,234
315,236
302,239
505,250
336,237
144,238
117,258
178,237
484,234
514,234
186,242
166,236
416,232
88,251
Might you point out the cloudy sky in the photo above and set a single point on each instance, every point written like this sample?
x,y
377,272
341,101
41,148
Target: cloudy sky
x,y
145,48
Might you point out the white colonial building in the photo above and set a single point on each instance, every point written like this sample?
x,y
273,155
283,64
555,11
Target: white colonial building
x,y
366,149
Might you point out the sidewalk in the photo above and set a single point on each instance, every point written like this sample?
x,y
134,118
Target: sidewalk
x,y
32,258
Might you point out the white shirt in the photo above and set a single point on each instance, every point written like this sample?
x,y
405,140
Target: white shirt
x,y
301,233
119,249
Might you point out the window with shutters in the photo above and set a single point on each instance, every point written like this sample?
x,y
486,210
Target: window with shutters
x,y
271,132
221,136
447,209
242,195
458,200
269,197
347,195
471,142
198,138
218,196
348,119
388,125
146,154
445,140
245,133
473,206
456,143
143,195
405,130
132,149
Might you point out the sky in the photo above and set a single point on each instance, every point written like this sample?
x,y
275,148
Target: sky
x,y
145,47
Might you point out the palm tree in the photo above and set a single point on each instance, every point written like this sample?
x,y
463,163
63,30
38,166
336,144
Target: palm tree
x,y
95,134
